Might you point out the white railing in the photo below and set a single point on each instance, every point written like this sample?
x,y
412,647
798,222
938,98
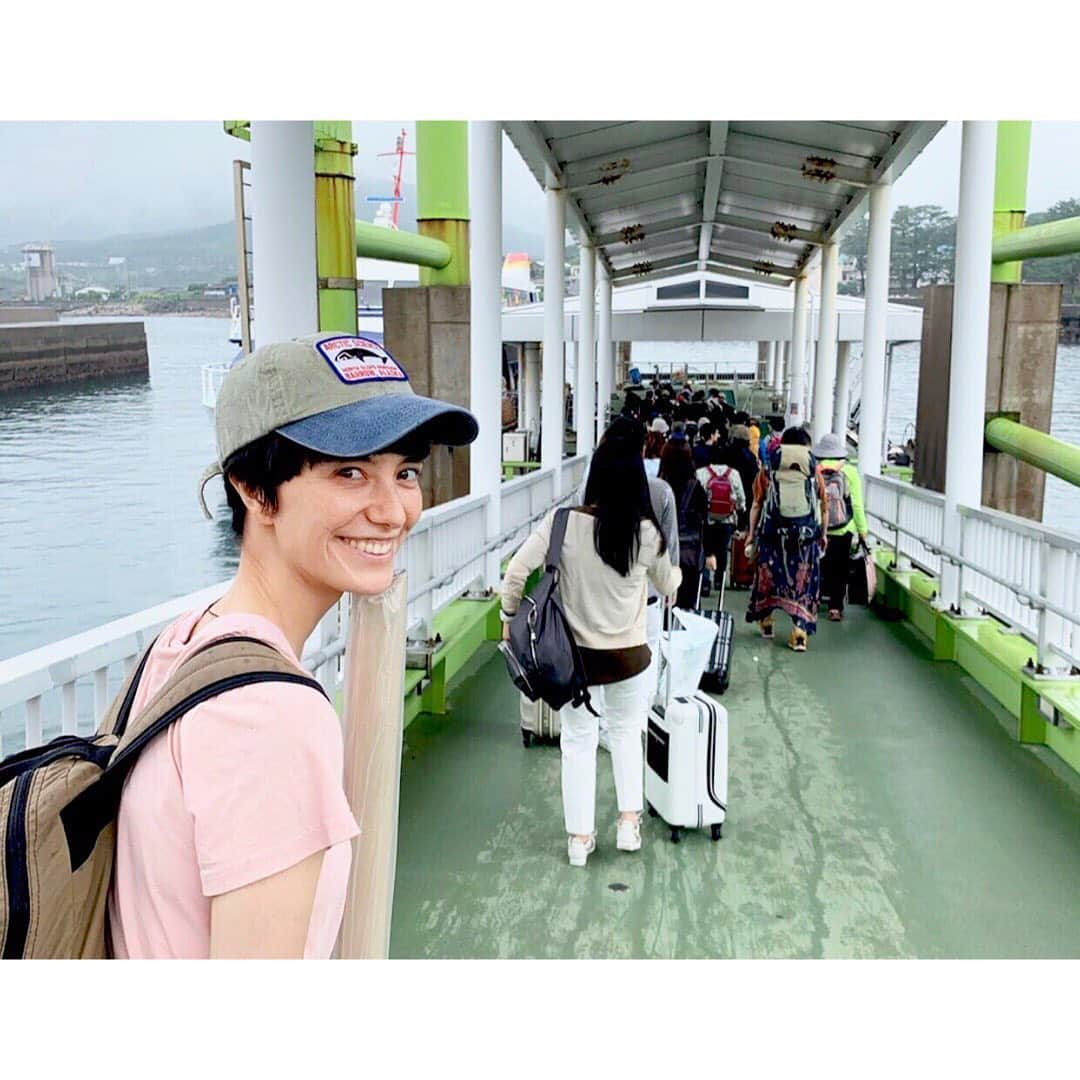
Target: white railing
x,y
920,515
67,686
1024,574
213,375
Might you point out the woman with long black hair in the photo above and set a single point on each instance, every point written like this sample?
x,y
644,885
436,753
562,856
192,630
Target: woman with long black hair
x,y
613,545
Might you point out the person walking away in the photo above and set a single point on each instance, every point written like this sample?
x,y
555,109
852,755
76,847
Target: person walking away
x,y
788,525
654,445
613,546
847,518
737,454
754,431
677,468
727,500
663,503
233,833
706,441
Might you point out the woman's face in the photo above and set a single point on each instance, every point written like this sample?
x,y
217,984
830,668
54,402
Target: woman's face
x,y
340,523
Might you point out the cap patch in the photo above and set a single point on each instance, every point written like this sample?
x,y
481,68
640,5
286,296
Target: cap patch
x,y
359,360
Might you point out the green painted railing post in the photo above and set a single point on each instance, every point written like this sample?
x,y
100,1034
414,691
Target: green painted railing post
x,y
442,195
1010,188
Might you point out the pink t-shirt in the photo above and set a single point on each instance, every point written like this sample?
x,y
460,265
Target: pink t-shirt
x,y
243,786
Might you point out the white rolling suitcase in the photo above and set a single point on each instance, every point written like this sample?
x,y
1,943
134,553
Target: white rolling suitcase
x,y
539,721
686,764
686,761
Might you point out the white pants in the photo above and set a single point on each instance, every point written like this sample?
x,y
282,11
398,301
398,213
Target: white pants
x,y
654,627
623,707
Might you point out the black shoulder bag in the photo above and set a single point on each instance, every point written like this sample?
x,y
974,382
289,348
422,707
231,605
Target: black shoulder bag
x,y
541,655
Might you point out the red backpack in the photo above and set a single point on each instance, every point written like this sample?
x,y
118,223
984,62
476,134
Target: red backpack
x,y
721,496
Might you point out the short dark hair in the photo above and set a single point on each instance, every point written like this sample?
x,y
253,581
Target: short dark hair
x,y
796,435
265,464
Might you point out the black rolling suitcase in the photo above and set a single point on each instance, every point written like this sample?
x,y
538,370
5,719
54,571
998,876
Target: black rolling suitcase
x,y
718,674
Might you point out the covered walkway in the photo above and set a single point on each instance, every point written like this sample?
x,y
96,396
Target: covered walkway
x,y
879,808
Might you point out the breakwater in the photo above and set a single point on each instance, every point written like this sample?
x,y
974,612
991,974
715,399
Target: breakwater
x,y
37,354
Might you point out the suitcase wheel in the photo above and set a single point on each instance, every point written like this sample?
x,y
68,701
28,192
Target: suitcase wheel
x,y
676,834
716,832
651,809
526,738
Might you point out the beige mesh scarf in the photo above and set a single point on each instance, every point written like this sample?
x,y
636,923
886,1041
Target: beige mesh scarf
x,y
373,720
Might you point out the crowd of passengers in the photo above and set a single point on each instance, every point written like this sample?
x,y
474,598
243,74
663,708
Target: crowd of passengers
x,y
644,532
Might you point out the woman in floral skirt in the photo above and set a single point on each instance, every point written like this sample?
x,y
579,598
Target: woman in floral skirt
x,y
788,527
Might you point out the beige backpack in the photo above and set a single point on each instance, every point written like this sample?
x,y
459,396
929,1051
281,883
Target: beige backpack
x,y
59,802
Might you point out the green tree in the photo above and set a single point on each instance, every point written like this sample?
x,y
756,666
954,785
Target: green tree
x,y
1063,268
853,244
923,246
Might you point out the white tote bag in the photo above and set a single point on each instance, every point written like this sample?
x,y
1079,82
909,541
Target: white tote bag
x,y
684,654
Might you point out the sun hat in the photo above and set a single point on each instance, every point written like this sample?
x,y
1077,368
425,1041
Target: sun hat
x,y
660,425
830,446
339,394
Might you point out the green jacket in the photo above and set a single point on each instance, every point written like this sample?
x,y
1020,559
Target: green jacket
x,y
858,514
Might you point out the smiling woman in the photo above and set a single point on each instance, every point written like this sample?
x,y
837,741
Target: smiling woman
x,y
233,829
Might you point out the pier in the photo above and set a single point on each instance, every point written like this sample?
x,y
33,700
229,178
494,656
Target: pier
x,y
909,788
40,353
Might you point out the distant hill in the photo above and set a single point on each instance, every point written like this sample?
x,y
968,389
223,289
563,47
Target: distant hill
x,y
207,253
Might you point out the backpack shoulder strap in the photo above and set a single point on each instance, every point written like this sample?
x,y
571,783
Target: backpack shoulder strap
x,y
116,716
222,665
558,535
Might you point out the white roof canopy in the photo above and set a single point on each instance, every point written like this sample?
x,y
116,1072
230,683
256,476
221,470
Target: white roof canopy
x,y
754,197
695,306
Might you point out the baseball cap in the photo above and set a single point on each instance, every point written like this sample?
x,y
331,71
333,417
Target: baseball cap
x,y
338,394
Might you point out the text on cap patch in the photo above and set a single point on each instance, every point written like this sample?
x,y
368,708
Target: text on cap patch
x,y
357,360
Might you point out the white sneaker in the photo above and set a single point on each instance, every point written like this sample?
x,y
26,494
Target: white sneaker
x,y
579,850
628,835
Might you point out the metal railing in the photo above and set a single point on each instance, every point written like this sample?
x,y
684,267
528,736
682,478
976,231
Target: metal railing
x,y
66,687
1022,573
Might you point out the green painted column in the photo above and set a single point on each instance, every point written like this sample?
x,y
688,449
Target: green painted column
x,y
335,224
1010,188
442,195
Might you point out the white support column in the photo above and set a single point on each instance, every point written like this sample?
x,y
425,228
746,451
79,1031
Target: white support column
x,y
485,329
971,328
283,228
797,368
770,369
783,369
762,373
585,402
872,394
825,370
520,348
843,387
532,393
552,420
605,354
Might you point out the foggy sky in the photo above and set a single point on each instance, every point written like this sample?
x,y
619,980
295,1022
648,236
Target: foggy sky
x,y
83,180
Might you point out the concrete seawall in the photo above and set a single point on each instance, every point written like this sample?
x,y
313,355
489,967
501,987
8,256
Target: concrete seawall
x,y
25,314
37,354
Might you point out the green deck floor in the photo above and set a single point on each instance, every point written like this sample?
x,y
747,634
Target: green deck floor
x,y
878,808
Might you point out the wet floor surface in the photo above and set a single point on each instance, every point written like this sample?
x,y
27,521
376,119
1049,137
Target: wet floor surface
x,y
877,808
